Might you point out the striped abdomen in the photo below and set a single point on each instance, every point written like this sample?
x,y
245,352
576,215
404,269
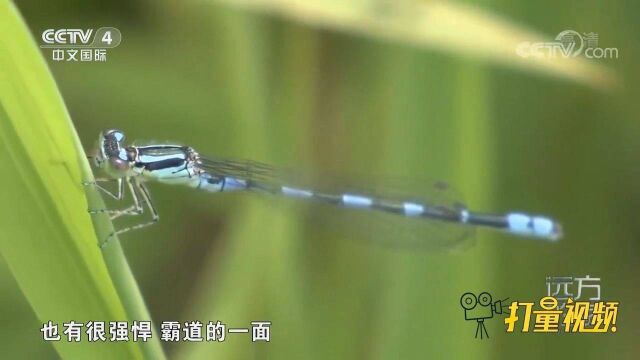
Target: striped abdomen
x,y
515,223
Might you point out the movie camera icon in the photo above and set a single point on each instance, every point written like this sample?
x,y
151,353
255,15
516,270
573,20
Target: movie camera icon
x,y
480,308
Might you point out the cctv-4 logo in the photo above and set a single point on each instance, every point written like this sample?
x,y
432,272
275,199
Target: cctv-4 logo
x,y
104,37
67,36
480,308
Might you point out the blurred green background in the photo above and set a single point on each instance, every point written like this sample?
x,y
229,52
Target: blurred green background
x,y
242,83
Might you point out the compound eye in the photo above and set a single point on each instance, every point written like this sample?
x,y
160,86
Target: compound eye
x,y
117,134
484,299
119,164
468,301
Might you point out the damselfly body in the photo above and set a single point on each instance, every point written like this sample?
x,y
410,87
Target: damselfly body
x,y
131,166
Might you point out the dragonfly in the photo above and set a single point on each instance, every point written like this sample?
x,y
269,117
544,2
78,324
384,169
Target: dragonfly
x,y
132,166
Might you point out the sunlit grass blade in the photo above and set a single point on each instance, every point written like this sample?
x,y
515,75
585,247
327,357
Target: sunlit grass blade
x,y
48,240
443,26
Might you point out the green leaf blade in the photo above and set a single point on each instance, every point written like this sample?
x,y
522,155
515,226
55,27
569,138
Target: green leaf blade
x,y
49,242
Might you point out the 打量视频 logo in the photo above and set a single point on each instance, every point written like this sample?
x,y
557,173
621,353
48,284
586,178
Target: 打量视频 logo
x,y
480,308
572,304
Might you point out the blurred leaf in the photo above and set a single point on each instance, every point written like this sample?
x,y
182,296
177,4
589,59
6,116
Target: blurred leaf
x,y
444,26
48,240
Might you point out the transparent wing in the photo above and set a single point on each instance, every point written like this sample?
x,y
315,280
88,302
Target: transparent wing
x,y
389,229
